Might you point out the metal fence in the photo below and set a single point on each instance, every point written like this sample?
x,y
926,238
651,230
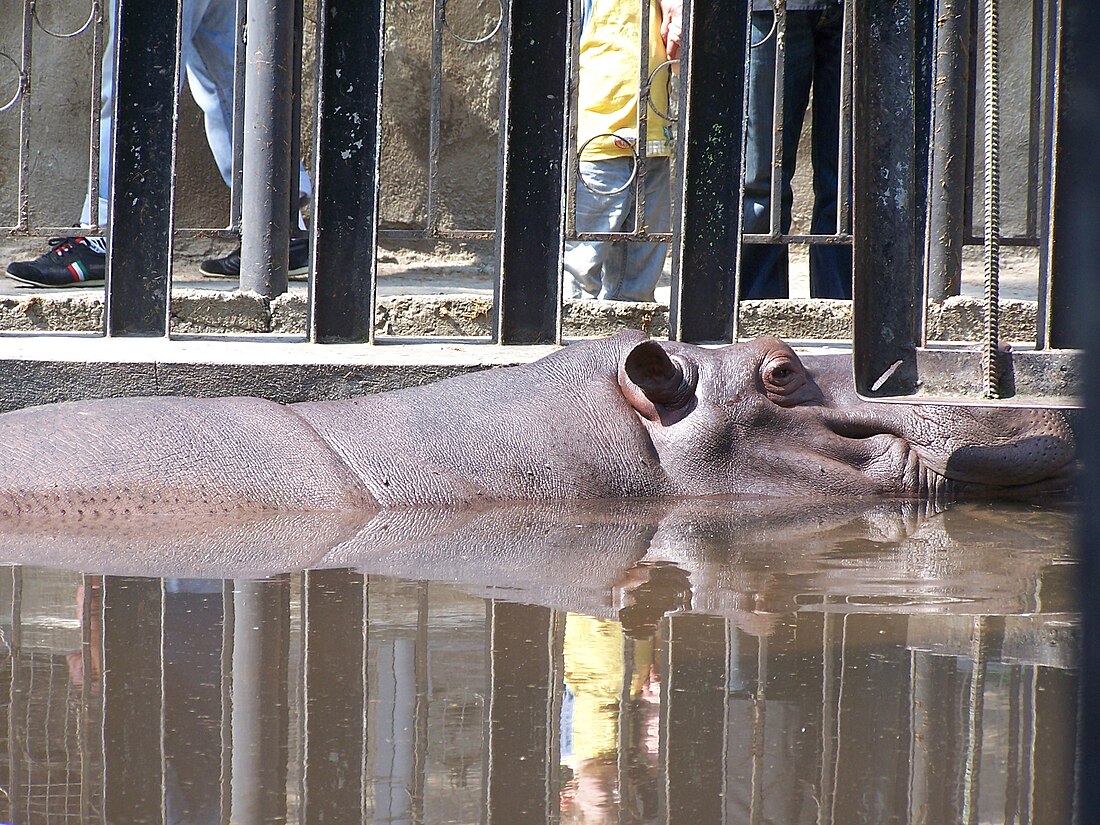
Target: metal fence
x,y
908,167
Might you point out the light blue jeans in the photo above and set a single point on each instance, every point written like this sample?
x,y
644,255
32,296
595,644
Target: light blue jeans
x,y
617,270
206,57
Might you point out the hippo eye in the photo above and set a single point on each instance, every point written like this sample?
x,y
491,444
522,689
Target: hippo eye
x,y
779,373
785,381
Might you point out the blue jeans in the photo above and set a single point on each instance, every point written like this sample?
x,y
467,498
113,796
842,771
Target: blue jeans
x,y
206,57
617,270
813,56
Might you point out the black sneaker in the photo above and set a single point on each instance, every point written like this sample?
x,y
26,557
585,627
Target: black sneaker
x,y
229,266
70,262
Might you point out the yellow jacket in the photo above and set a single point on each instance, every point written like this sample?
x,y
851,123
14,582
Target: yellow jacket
x,y
610,62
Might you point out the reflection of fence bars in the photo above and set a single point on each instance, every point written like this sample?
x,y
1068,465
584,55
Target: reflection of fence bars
x,y
383,718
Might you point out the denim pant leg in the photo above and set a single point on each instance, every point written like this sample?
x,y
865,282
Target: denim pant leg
x,y
106,111
206,55
830,265
632,268
764,266
584,260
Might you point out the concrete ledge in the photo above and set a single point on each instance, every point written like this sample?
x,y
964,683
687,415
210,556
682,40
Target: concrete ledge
x,y
39,369
204,311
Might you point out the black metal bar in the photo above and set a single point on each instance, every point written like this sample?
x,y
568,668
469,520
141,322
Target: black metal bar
x,y
947,182
694,703
345,212
1075,296
1074,155
139,236
133,747
265,192
520,727
334,622
1049,91
710,141
534,95
887,286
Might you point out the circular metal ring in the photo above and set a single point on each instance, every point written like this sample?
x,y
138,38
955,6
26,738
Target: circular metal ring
x,y
649,85
476,40
771,31
633,166
19,84
64,35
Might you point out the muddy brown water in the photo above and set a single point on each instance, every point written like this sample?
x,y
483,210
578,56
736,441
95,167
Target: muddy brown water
x,y
697,662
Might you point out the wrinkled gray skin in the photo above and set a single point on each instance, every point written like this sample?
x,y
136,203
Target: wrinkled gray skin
x,y
623,416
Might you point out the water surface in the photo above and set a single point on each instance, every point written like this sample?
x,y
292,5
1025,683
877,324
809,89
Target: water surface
x,y
635,662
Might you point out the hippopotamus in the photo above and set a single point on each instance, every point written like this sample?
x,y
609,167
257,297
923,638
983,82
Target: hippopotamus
x,y
625,416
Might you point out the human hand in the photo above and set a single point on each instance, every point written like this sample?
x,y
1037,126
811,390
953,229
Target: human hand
x,y
672,26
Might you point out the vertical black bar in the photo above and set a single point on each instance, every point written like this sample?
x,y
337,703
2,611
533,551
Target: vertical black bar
x,y
345,211
947,182
695,709
260,722
265,192
1076,294
711,141
520,727
886,245
334,623
139,235
133,750
1076,127
532,141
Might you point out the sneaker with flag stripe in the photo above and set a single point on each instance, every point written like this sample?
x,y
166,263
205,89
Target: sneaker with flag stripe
x,y
71,262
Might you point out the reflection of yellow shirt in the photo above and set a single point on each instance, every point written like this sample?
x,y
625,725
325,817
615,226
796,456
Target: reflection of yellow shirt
x,y
610,62
593,659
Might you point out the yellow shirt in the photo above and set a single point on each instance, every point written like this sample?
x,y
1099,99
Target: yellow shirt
x,y
610,62
594,670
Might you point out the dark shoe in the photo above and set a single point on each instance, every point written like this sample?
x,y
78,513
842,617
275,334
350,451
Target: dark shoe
x,y
229,266
70,262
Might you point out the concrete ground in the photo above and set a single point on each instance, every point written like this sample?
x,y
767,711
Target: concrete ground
x,y
415,273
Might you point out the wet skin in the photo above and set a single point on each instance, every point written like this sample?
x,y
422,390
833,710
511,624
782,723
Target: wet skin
x,y
618,417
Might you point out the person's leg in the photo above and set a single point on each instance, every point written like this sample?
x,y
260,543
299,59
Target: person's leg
x,y
596,212
209,36
632,269
106,114
764,266
830,266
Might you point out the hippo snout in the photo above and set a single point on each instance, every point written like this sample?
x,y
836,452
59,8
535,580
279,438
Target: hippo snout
x,y
1006,449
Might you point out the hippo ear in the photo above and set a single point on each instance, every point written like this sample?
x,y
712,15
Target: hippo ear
x,y
653,382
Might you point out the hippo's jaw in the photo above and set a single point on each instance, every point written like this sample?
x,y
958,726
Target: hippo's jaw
x,y
923,453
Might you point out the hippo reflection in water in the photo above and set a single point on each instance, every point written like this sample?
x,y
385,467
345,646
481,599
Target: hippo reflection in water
x,y
618,417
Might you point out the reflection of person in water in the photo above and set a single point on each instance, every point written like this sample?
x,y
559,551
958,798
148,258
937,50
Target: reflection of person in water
x,y
612,693
192,638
